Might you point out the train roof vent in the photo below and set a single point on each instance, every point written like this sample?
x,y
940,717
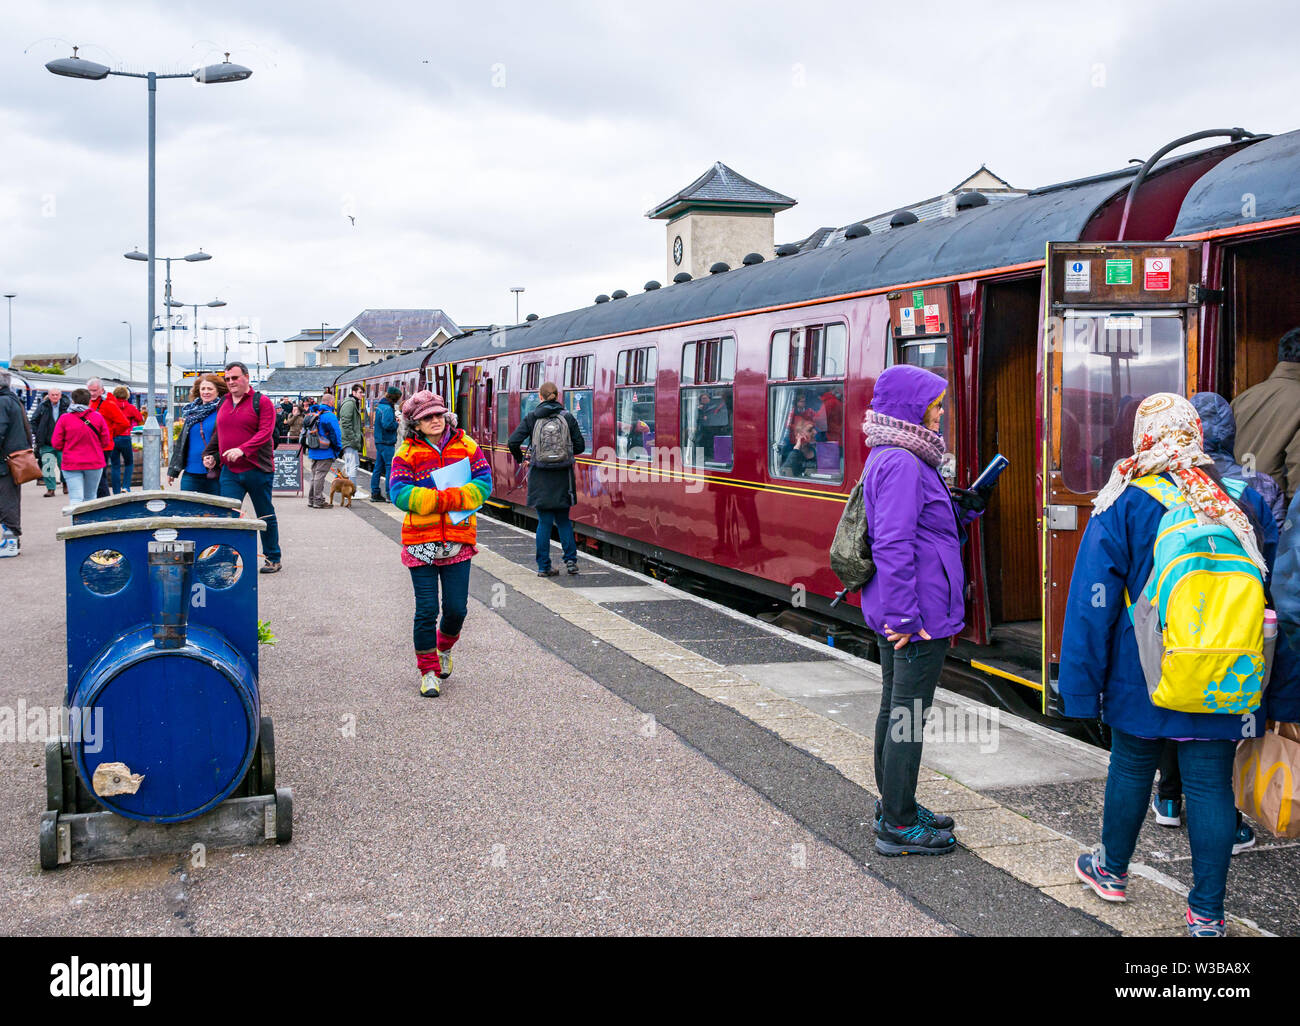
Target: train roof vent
x,y
902,218
720,268
531,317
968,200
602,298
787,249
618,294
752,258
651,285
856,231
680,277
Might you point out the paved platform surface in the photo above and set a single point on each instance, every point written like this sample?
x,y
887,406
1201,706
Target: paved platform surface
x,y
528,799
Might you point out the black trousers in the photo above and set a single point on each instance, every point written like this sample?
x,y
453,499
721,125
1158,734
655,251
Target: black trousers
x,y
11,503
910,677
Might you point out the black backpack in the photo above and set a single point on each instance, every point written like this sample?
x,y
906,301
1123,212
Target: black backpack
x,y
552,444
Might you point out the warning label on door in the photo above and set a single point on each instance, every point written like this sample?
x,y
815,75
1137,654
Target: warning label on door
x,y
1078,275
1155,277
1119,272
932,318
906,321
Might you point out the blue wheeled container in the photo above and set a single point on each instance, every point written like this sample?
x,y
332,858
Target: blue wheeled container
x,y
162,693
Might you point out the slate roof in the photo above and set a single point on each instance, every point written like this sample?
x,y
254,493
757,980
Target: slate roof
x,y
721,186
299,380
393,330
307,334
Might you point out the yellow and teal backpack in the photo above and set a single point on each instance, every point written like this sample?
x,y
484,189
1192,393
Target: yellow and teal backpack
x,y
1200,619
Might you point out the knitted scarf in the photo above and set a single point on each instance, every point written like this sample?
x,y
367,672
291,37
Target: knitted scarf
x,y
1167,439
198,410
884,430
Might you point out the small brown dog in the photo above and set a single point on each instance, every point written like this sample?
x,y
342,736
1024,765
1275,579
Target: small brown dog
x,y
342,484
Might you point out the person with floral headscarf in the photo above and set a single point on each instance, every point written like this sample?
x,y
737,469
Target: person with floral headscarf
x,y
1101,672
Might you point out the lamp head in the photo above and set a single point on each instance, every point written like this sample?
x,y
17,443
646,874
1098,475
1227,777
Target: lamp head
x,y
214,74
135,254
200,255
75,67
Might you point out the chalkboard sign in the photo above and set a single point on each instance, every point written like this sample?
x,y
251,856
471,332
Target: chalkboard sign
x,y
288,470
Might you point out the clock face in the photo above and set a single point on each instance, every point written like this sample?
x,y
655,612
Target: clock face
x,y
677,251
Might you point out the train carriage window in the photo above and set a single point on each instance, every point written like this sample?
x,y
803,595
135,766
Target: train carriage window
x,y
578,401
637,366
1110,362
812,351
465,398
530,380
503,405
634,419
932,354
578,371
707,413
806,431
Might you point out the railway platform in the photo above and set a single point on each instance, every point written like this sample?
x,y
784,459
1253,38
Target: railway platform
x,y
610,756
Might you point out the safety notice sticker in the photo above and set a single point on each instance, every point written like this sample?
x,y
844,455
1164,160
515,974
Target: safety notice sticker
x,y
918,298
1156,275
1078,275
906,321
932,318
1119,272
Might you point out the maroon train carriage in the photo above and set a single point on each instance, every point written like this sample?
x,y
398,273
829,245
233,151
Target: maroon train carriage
x,y
723,414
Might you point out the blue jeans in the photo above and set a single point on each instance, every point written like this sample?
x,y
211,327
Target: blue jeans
x,y
560,518
200,483
1211,812
383,458
119,454
256,484
454,578
82,484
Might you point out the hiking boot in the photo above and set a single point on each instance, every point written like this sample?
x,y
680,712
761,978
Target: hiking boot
x,y
270,568
1244,838
49,492
429,686
444,665
572,568
1109,886
548,573
1199,927
913,840
934,820
65,487
1169,811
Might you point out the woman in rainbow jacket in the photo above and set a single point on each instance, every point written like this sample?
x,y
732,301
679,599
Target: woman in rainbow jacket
x,y
1212,539
436,549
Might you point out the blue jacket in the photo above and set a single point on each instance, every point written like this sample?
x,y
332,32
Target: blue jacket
x,y
329,429
1100,670
385,428
1219,430
1285,706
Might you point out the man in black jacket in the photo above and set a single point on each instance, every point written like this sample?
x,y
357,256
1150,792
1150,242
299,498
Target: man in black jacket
x,y
552,490
44,417
14,437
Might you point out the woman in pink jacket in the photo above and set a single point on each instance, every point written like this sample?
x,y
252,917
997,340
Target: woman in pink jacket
x,y
81,435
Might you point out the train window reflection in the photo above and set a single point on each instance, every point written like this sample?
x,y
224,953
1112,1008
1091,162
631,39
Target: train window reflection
x,y
528,402
932,354
634,421
578,402
707,422
806,431
1110,362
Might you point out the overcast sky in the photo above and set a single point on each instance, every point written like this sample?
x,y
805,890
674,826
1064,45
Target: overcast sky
x,y
489,144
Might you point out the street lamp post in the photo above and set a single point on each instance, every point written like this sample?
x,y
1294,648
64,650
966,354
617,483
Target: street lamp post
x,y
195,306
224,346
192,258
78,348
130,350
516,289
75,67
10,296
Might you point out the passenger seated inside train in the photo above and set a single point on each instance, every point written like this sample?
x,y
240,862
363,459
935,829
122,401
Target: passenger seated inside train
x,y
809,432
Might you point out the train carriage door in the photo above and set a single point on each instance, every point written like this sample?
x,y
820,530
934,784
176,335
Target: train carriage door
x,y
1120,325
922,326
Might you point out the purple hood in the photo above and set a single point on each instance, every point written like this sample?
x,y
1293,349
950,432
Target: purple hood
x,y
903,392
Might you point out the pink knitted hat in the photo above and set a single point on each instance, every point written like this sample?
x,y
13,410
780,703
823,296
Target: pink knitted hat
x,y
423,404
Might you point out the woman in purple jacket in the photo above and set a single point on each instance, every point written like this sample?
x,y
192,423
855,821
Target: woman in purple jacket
x,y
914,602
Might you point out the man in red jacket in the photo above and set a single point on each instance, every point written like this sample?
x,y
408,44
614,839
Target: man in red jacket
x,y
243,446
106,406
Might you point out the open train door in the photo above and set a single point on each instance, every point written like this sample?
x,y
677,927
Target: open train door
x,y
1120,324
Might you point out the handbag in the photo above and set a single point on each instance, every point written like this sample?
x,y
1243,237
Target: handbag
x,y
23,466
1265,774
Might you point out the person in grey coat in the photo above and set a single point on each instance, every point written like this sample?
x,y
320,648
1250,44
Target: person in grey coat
x,y
552,491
